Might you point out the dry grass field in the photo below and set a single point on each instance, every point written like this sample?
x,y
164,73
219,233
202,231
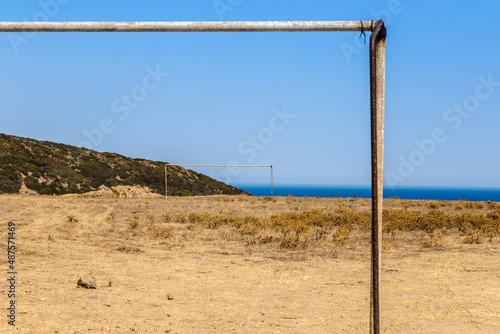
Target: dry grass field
x,y
239,264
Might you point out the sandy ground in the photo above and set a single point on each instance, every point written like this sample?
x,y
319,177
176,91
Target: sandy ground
x,y
213,284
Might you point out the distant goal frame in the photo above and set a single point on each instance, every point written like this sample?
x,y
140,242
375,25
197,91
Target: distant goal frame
x,y
204,165
377,94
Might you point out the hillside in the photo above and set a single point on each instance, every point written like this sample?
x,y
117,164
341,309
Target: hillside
x,y
51,168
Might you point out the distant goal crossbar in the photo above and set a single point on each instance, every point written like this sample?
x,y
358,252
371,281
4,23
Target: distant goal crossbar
x,y
203,165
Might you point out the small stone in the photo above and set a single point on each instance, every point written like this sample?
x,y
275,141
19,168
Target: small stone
x,y
87,282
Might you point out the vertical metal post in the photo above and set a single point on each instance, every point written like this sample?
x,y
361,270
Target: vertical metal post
x,y
271,180
377,97
166,182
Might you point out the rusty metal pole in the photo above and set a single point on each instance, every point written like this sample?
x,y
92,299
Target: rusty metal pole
x,y
271,180
184,26
166,182
377,97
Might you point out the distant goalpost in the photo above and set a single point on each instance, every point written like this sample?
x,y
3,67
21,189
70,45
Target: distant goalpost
x,y
200,165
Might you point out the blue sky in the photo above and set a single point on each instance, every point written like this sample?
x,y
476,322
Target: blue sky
x,y
298,101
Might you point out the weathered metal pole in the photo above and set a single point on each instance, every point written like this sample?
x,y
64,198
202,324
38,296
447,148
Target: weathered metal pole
x,y
271,180
166,182
185,26
377,97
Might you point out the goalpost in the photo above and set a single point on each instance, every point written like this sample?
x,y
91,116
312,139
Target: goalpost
x,y
377,94
198,165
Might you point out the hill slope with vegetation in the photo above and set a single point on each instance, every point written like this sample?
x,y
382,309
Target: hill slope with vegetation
x,y
50,168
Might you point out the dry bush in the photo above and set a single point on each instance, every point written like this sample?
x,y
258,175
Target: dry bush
x,y
266,239
182,219
134,224
492,229
340,237
432,240
492,205
402,220
289,223
251,242
151,218
433,205
269,199
161,231
293,242
473,205
72,219
248,225
211,221
473,238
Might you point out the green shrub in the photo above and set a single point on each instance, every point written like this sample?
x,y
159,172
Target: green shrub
x,y
46,190
111,182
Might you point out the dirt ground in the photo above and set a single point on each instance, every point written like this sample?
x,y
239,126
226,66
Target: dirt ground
x,y
199,280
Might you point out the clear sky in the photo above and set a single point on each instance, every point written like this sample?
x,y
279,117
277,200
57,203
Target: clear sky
x,y
298,101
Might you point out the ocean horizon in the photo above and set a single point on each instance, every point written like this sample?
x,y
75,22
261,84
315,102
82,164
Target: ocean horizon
x,y
344,191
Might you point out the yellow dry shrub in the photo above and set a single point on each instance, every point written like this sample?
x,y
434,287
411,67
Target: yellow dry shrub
x,y
433,205
161,231
404,220
492,205
321,233
72,219
291,243
182,219
266,239
473,238
394,220
340,237
316,218
133,224
248,225
269,199
288,222
473,205
432,220
433,239
347,218
467,222
210,221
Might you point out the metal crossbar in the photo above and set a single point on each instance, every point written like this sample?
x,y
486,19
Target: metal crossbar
x,y
377,92
187,26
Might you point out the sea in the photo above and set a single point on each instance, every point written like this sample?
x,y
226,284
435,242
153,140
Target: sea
x,y
426,193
